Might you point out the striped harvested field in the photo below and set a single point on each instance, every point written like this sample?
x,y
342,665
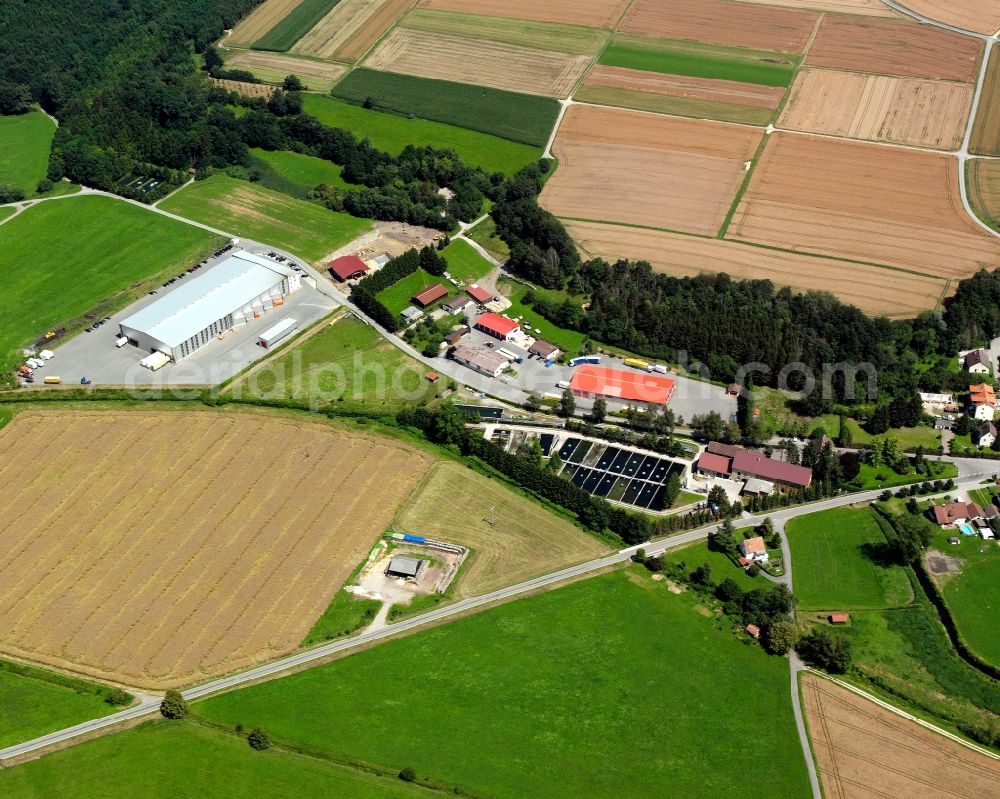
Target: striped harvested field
x,y
875,290
879,108
985,138
984,190
158,549
273,67
590,13
351,28
483,63
260,21
982,16
864,8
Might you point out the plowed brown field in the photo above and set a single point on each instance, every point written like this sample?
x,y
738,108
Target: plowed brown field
x,y
894,47
159,549
260,21
351,28
644,169
864,750
868,202
985,139
875,290
974,15
868,8
723,22
879,108
590,13
722,91
485,63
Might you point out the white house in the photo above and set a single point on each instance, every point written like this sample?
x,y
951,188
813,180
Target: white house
x,y
753,549
982,402
985,434
976,362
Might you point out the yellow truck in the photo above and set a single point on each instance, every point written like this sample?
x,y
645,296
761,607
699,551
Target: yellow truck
x,y
52,379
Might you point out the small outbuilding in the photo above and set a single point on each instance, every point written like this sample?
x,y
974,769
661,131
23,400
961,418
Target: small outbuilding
x,y
429,295
411,314
456,304
839,618
753,630
544,350
405,567
480,295
348,267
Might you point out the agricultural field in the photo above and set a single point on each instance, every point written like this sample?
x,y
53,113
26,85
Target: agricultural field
x,y
645,169
35,702
721,22
836,558
523,541
318,76
294,173
519,117
480,62
984,190
175,610
304,229
589,13
346,362
244,88
572,39
87,253
862,749
879,108
351,28
982,16
676,254
969,574
294,25
873,8
587,645
862,201
392,133
985,139
169,759
264,17
24,157
894,47
464,263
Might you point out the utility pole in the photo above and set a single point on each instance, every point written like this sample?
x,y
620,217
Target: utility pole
x,y
493,516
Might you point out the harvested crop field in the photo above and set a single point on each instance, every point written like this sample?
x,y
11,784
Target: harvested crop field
x,y
590,13
894,47
524,542
260,21
985,139
484,63
723,22
982,16
862,285
864,750
243,88
159,549
273,67
879,108
725,100
984,190
645,169
867,8
862,201
351,28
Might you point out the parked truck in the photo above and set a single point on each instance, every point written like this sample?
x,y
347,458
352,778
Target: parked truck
x,y
52,379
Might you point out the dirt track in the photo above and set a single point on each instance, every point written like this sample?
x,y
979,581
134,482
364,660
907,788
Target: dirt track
x,y
879,108
863,750
590,13
862,201
159,549
646,169
723,22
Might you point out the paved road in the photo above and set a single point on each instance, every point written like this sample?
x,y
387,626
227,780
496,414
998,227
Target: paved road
x,y
300,659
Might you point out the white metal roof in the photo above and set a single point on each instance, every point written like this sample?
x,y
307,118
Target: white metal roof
x,y
206,298
281,327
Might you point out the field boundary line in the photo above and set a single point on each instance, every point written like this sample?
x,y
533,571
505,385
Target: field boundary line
x,y
903,714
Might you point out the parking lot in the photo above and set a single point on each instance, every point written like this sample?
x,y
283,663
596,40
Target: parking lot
x,y
94,355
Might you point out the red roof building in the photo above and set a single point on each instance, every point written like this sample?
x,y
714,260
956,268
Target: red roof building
x,y
498,326
753,630
633,388
839,618
482,296
347,267
750,464
429,295
714,464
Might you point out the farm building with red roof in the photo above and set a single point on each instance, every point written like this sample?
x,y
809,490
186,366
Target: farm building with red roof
x,y
429,295
480,295
736,463
347,267
630,388
498,326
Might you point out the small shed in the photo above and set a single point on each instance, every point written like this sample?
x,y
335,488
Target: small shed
x,y
754,630
953,540
429,295
432,377
839,618
544,350
406,567
411,314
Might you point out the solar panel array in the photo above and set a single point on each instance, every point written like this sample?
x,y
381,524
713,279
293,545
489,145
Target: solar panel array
x,y
617,474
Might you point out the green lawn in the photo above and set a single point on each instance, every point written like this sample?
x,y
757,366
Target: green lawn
x,y
65,258
398,295
295,173
347,362
721,565
464,263
392,133
869,477
5,212
24,155
519,117
569,341
835,556
294,25
973,595
485,235
173,759
32,704
245,209
611,686
700,60
346,614
909,437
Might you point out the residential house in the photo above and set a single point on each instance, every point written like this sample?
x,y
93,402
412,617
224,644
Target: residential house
x,y
977,362
753,550
955,513
985,434
982,402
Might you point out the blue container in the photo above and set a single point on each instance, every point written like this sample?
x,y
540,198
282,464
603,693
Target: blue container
x,y
416,539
